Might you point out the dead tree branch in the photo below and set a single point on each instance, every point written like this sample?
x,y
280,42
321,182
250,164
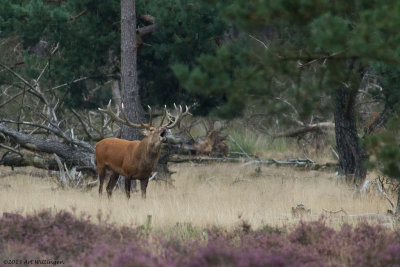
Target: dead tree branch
x,y
306,129
76,155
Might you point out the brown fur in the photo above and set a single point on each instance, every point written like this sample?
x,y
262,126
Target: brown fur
x,y
132,159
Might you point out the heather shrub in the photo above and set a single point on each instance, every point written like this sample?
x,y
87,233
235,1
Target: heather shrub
x,y
118,254
59,235
133,255
16,250
368,245
312,233
220,253
76,241
62,235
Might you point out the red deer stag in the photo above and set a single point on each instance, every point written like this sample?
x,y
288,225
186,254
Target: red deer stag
x,y
133,159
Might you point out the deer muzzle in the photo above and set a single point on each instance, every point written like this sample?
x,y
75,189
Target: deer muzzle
x,y
163,134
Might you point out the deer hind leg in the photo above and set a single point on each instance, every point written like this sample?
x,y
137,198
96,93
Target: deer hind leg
x,y
111,183
143,186
128,187
102,175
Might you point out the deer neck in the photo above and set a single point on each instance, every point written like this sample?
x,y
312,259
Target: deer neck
x,y
150,151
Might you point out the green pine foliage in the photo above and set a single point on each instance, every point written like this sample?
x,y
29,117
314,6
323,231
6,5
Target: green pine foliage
x,y
384,149
188,30
383,146
302,51
300,48
88,34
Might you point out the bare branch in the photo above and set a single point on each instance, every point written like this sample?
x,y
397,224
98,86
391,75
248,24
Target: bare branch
x,y
56,130
380,189
15,65
80,155
11,149
78,15
305,129
334,212
32,89
47,64
85,129
79,80
11,99
233,140
289,104
17,75
69,83
335,153
261,42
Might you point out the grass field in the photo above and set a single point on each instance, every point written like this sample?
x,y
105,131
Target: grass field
x,y
215,215
223,195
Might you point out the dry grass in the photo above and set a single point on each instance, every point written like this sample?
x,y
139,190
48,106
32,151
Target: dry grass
x,y
204,195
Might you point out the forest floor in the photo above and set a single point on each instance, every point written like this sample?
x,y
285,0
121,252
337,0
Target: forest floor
x,y
223,195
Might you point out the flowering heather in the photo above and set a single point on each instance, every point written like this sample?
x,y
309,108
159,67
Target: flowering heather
x,y
76,241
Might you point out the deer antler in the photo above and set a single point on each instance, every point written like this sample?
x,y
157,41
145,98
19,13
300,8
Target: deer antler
x,y
126,121
165,114
174,120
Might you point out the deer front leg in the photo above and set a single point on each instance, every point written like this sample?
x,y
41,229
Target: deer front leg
x,y
143,186
128,187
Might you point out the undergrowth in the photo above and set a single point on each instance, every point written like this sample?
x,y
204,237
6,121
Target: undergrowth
x,y
75,240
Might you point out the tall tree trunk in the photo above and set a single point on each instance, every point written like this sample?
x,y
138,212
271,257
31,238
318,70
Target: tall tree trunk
x,y
351,155
116,92
129,88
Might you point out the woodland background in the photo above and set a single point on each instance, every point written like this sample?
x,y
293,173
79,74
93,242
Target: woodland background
x,y
312,84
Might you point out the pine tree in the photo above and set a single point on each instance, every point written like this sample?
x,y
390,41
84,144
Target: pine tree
x,y
301,49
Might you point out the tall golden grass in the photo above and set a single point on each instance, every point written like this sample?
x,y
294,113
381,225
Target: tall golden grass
x,y
204,195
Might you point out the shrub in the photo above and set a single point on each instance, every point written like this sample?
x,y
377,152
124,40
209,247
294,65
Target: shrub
x,y
78,241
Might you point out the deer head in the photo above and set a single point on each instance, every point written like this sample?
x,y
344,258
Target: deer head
x,y
155,134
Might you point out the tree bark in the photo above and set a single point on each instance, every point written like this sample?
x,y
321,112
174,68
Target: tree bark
x,y
116,92
351,155
29,159
397,211
72,154
130,90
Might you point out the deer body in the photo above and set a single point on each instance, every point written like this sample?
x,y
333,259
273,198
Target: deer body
x,y
132,159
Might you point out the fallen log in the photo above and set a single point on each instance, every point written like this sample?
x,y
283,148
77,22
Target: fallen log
x,y
300,163
362,216
72,154
204,159
29,159
306,129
